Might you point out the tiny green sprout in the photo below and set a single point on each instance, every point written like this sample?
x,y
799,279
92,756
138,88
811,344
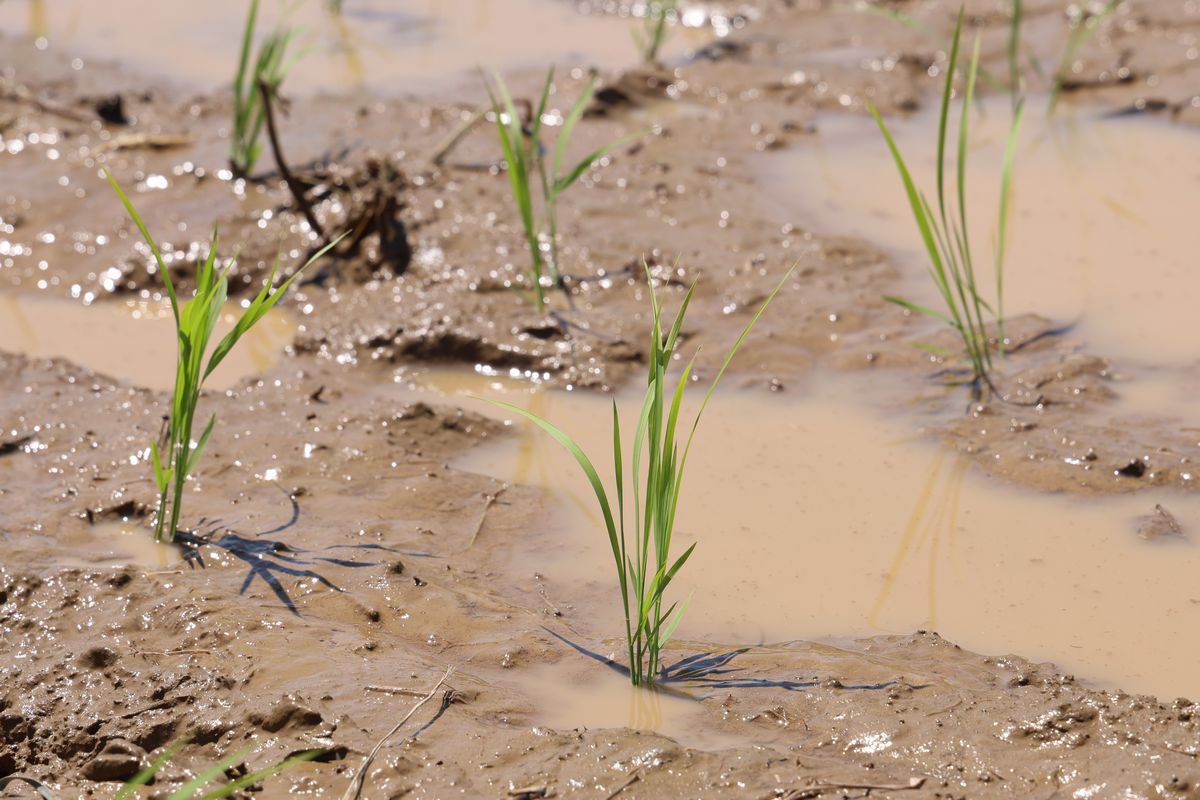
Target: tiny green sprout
x,y
1083,25
195,321
270,67
946,237
194,788
653,30
642,552
526,163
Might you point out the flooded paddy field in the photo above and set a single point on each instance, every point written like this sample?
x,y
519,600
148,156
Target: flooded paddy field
x,y
904,583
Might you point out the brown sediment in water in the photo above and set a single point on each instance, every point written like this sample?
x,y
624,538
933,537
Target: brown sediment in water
x,y
816,516
133,340
1099,237
380,47
350,541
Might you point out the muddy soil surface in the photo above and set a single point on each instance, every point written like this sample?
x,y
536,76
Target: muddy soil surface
x,y
339,564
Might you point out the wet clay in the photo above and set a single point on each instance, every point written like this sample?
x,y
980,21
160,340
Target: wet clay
x,y
343,549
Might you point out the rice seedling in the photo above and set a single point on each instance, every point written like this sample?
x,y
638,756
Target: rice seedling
x,y
195,321
947,238
270,68
192,789
1015,83
1083,25
653,29
641,546
917,26
526,162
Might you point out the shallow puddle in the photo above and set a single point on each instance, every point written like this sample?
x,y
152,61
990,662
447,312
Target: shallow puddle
x,y
820,519
585,694
396,46
1102,229
132,340
114,543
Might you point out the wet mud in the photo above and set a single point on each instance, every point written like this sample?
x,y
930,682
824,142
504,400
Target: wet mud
x,y
355,529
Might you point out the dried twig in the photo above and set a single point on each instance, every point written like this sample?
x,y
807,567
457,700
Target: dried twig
x,y
355,789
634,778
148,141
396,690
296,188
16,91
458,134
817,788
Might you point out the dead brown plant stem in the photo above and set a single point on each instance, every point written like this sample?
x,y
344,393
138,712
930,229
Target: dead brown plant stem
x,y
355,789
294,186
818,788
15,91
634,778
458,134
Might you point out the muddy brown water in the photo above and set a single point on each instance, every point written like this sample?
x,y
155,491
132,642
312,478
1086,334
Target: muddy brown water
x,y
133,340
323,456
386,46
1101,231
819,517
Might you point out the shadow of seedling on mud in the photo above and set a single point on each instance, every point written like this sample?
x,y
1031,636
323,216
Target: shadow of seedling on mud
x,y
270,559
713,671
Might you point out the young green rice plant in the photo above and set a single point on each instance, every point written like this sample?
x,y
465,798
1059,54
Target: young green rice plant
x,y
937,39
946,235
270,67
648,38
529,172
192,789
1083,25
641,545
195,321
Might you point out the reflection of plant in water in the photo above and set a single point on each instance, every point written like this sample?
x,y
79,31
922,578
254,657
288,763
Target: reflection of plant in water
x,y
933,524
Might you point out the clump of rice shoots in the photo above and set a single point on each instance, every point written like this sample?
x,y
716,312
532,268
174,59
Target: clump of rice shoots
x,y
1084,23
195,321
946,235
193,789
641,544
529,173
653,33
270,67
